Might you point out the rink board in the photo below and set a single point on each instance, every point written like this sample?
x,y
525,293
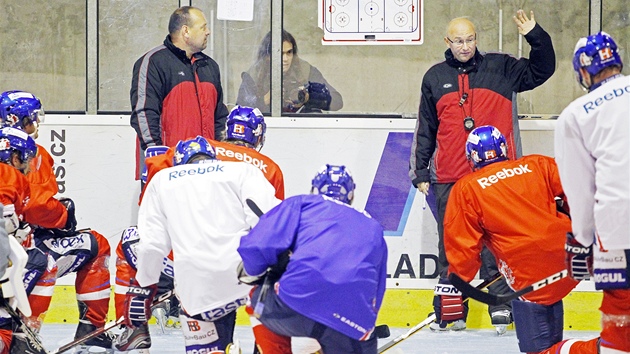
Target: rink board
x,y
95,164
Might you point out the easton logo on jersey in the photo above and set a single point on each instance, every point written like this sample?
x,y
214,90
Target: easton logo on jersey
x,y
503,174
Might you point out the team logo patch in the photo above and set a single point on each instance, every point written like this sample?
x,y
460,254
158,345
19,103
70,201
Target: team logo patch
x,y
5,144
490,154
605,54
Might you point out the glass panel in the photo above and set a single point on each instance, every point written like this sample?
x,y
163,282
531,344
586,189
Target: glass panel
x,y
616,15
234,46
44,51
385,79
127,30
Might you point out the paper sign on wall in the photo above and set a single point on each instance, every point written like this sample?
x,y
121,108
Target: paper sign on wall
x,y
235,10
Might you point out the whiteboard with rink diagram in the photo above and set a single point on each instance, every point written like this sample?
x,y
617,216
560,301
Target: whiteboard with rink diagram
x,y
371,22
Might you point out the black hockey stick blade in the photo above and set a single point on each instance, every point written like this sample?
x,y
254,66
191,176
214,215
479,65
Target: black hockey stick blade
x,y
64,348
252,205
431,318
491,299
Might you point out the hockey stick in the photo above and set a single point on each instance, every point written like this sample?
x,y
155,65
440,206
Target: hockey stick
x,y
252,205
431,318
167,295
491,299
30,335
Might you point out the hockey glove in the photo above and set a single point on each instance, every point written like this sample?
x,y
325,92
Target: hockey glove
x,y
245,278
71,221
579,258
138,303
447,302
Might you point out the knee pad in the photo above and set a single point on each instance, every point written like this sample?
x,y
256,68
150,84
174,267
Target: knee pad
x,y
538,327
205,336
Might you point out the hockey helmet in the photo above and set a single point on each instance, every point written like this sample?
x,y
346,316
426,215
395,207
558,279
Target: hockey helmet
x,y
594,53
187,149
248,125
20,108
151,151
335,182
16,141
485,145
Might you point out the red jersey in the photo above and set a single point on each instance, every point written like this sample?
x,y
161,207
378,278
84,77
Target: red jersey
x,y
14,188
226,152
509,206
44,210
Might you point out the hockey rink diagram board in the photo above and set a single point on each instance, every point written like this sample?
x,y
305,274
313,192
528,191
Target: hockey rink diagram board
x,y
372,22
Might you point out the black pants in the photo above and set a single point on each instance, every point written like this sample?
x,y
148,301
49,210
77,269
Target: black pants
x,y
488,262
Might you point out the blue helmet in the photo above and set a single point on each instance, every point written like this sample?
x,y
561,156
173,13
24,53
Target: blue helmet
x,y
19,108
485,145
246,124
335,182
594,53
187,149
15,140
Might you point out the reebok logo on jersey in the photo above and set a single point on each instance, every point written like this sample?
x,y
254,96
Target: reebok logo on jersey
x,y
503,174
242,157
202,169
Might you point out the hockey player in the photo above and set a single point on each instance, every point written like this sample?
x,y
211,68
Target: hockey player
x,y
527,237
245,134
197,209
57,248
327,266
592,148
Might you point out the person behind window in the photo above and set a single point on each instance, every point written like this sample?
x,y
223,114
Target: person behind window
x,y
304,88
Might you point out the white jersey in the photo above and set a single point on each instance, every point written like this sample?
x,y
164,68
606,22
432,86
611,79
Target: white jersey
x,y
592,148
200,212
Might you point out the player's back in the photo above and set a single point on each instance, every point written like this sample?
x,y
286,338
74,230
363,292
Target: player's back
x,y
513,202
43,209
203,208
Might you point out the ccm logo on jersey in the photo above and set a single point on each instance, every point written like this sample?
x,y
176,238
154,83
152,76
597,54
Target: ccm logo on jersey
x,y
503,174
242,157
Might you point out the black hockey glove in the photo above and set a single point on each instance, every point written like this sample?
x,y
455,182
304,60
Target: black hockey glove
x,y
71,222
579,258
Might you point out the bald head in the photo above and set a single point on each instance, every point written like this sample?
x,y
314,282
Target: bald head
x,y
461,38
459,25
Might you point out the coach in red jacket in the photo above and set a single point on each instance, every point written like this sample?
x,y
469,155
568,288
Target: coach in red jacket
x,y
176,89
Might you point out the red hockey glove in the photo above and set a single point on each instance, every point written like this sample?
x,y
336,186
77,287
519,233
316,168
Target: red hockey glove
x,y
579,258
138,303
448,304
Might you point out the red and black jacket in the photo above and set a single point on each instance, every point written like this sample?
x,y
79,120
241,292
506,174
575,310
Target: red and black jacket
x,y
175,98
486,86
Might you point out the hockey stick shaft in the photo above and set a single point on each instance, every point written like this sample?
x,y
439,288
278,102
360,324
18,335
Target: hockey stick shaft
x,y
431,318
167,295
492,299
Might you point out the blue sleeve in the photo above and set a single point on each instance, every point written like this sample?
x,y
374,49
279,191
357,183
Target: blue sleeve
x,y
273,235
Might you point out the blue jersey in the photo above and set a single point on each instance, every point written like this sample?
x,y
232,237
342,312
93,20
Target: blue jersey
x,y
337,271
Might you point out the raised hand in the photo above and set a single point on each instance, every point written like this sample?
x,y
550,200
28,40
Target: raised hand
x,y
523,23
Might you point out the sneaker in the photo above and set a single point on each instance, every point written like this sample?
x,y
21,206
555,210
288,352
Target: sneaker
x,y
92,345
441,326
21,344
133,338
500,320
